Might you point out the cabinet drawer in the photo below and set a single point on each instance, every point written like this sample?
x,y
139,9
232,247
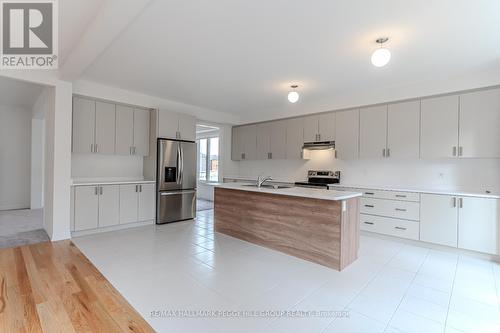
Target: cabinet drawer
x,y
391,208
390,226
392,195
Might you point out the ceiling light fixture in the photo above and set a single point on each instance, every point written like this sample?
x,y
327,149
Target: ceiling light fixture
x,y
293,96
381,56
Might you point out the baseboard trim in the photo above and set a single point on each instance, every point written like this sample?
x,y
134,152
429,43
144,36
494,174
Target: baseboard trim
x,y
111,228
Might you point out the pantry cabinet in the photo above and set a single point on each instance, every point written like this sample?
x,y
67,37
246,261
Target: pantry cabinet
x,y
479,124
347,134
373,132
439,127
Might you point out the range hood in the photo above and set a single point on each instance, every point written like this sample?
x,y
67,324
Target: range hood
x,y
319,145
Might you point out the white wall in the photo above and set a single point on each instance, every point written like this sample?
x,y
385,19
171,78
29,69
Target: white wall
x,y
37,162
15,156
467,174
106,167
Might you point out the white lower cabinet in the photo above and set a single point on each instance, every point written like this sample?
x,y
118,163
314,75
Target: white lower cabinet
x,y
137,203
86,205
390,226
439,219
100,206
478,224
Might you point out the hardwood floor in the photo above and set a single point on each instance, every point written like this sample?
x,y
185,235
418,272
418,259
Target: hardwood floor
x,y
53,287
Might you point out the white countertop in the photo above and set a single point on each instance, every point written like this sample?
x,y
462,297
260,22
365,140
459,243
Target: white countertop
x,y
456,192
111,182
311,193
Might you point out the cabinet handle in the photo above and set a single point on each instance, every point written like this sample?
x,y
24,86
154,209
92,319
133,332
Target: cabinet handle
x,y
370,223
400,196
400,209
100,190
383,152
370,206
388,152
454,151
243,156
96,148
461,202
454,202
399,228
136,188
95,190
369,193
91,147
460,151
140,188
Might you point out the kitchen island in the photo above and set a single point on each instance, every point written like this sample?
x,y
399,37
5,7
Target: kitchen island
x,y
318,225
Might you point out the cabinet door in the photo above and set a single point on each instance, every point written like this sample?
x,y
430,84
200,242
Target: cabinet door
x,y
347,134
479,121
403,130
439,219
294,138
168,124
327,127
373,132
249,142
86,207
147,198
311,129
83,125
187,127
439,127
263,141
128,203
109,205
278,140
478,225
141,132
105,128
236,148
124,130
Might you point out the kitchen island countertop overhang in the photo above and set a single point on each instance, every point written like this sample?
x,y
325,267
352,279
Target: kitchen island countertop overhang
x,y
317,225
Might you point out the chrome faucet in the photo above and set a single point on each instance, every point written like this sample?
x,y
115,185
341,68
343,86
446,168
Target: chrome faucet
x,y
261,180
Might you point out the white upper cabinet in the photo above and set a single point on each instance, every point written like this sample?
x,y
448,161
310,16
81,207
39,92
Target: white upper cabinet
x,y
249,142
310,124
124,130
83,125
187,127
326,126
479,124
373,132
403,130
141,132
294,138
236,144
278,140
173,125
439,219
479,225
105,128
263,141
347,134
439,127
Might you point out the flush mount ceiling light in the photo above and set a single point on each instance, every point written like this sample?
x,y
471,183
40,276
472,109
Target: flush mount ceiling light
x,y
381,56
293,96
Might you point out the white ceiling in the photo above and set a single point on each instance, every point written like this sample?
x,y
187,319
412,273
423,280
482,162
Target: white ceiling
x,y
240,57
19,93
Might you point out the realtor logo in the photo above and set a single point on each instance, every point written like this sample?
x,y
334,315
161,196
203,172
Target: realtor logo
x,y
29,34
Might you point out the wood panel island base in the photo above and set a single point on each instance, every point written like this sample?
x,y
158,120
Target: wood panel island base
x,y
316,225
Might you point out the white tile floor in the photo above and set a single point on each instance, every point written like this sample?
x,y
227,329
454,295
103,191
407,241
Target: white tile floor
x,y
393,287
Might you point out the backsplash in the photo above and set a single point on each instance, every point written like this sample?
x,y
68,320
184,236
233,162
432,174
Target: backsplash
x,y
475,174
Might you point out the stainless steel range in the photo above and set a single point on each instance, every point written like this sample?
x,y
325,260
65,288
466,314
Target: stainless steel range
x,y
320,179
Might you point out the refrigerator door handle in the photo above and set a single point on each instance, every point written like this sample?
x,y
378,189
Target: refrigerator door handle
x,y
178,180
177,193
182,164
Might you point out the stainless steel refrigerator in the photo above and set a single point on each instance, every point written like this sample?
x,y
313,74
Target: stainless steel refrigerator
x,y
176,181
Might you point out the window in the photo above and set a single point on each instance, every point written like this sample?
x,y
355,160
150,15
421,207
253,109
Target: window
x,y
208,159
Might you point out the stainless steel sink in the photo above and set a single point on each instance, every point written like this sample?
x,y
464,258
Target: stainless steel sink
x,y
275,187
